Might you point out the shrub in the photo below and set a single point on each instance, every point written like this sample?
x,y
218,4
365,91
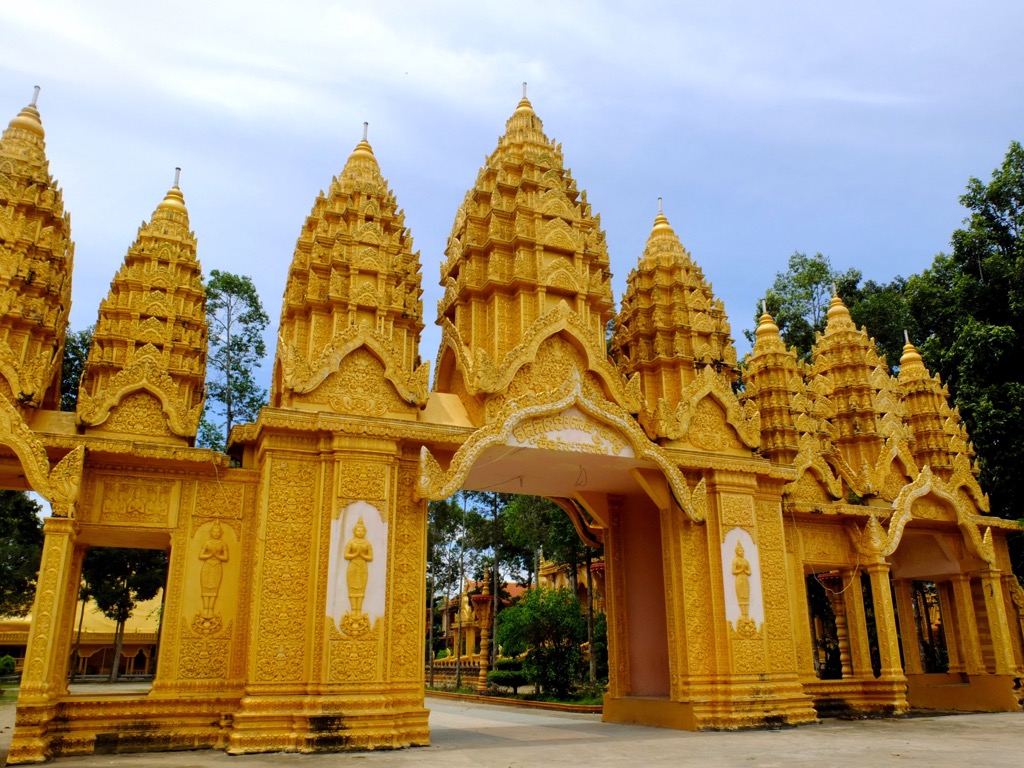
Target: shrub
x,y
507,678
7,665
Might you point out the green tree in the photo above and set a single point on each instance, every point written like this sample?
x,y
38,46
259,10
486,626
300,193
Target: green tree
x,y
76,350
970,310
549,627
800,296
799,300
21,546
118,579
236,325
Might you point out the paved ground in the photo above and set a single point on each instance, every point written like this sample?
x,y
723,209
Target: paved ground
x,y
483,735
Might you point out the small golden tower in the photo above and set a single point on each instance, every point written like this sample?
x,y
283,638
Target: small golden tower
x,y
939,435
146,367
772,377
671,325
525,255
36,256
846,357
352,303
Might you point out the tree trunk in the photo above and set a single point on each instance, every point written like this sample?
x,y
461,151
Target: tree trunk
x,y
592,671
115,671
78,642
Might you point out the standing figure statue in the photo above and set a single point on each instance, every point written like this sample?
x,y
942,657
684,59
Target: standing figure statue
x,y
741,570
358,552
213,554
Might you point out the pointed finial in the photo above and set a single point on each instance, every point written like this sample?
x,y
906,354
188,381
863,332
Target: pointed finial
x,y
524,89
366,129
659,206
835,289
906,336
35,95
177,177
764,306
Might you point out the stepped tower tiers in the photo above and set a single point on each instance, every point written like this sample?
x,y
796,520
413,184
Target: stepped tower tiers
x,y
352,313
939,435
146,367
526,262
772,377
674,334
36,256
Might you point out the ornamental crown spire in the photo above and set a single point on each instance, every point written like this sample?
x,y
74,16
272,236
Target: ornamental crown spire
x,y
352,313
526,255
36,256
146,369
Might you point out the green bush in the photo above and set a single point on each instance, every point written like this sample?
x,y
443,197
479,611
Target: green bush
x,y
506,678
548,625
512,665
7,665
442,654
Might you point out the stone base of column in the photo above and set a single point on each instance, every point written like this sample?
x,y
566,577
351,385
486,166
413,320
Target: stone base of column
x,y
731,706
877,697
83,725
329,723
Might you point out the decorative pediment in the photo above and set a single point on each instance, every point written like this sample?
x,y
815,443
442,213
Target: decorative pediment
x,y
809,460
301,377
145,372
437,483
485,377
709,390
875,541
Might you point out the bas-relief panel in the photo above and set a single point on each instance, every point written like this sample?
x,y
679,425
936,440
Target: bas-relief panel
x,y
571,430
741,575
357,570
138,501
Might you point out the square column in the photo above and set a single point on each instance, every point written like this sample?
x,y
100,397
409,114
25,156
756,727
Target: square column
x,y
885,620
967,627
908,627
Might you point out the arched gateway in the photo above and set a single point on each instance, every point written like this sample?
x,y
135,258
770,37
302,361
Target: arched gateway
x,y
294,610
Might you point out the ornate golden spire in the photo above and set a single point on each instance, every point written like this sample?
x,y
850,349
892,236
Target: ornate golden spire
x,y
36,255
673,332
146,369
352,314
771,375
939,435
525,256
671,325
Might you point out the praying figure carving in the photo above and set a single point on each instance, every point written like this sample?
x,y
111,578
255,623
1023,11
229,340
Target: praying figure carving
x,y
741,573
213,555
359,553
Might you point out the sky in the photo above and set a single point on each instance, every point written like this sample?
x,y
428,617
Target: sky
x,y
846,128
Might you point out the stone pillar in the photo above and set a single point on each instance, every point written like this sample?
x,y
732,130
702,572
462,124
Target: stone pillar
x,y
837,599
857,629
995,610
967,627
483,614
885,619
44,677
950,626
908,627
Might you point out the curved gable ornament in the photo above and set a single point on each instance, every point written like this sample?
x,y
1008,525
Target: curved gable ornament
x,y
59,485
147,374
303,378
435,483
484,377
745,420
873,540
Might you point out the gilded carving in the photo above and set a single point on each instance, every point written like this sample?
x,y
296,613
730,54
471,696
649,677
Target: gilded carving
x,y
363,480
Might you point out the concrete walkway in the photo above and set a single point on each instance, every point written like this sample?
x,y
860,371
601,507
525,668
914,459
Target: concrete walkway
x,y
482,735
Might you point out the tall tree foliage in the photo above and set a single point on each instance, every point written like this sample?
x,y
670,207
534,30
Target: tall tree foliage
x,y
970,308
549,627
799,300
21,546
118,580
76,350
236,325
